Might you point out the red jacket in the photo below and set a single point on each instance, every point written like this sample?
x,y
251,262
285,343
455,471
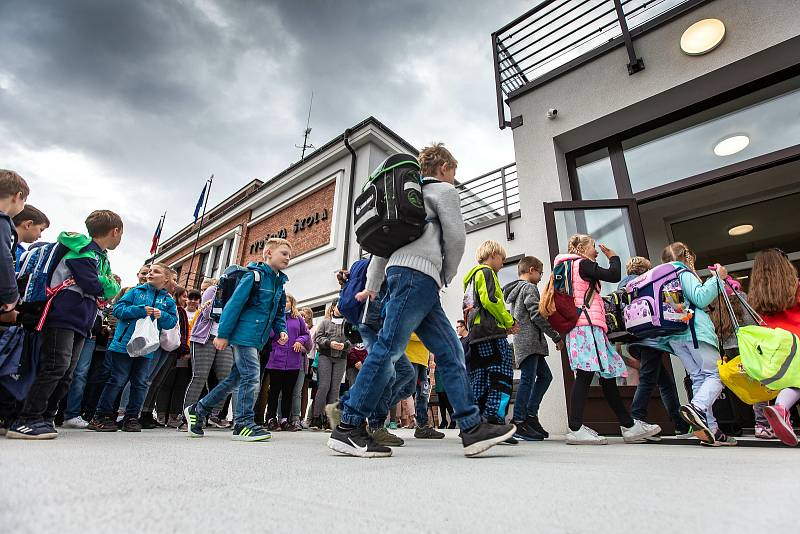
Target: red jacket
x,y
788,320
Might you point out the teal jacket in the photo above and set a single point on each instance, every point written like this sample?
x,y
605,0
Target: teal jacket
x,y
248,319
702,295
131,307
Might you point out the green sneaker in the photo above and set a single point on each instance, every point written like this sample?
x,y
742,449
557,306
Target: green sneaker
x,y
392,425
250,433
382,436
195,423
427,432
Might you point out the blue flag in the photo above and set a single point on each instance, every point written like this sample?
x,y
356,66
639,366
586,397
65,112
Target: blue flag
x,y
200,203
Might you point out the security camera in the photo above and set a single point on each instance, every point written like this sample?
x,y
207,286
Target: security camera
x,y
552,113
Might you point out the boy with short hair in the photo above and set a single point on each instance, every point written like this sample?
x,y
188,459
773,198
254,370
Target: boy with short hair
x,y
85,274
29,223
489,323
415,273
247,321
530,348
14,192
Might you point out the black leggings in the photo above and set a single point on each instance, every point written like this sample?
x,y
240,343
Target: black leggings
x,y
281,384
580,391
445,410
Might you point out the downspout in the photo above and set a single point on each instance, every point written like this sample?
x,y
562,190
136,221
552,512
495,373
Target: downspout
x,y
350,191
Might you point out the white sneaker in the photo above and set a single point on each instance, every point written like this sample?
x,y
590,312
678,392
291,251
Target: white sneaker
x,y
639,431
585,436
76,422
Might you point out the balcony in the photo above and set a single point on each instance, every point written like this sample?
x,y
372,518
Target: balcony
x,y
559,35
490,199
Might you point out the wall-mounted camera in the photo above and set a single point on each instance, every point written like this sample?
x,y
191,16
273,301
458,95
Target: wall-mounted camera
x,y
552,113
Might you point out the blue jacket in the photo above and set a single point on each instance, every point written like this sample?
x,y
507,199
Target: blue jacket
x,y
247,320
130,308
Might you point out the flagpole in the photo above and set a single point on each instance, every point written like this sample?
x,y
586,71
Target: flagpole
x,y
200,228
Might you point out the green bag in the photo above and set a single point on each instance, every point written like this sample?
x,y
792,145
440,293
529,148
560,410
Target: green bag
x,y
769,355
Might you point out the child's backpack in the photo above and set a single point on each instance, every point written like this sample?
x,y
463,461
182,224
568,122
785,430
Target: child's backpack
x,y
657,306
349,307
227,285
615,304
557,304
390,211
37,266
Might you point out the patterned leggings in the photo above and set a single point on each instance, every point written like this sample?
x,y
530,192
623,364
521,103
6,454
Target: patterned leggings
x,y
204,356
492,376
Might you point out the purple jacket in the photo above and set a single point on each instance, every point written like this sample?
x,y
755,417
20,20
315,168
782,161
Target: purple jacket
x,y
283,357
202,326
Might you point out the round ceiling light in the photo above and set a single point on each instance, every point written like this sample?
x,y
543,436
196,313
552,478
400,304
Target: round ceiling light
x,y
702,37
740,230
731,145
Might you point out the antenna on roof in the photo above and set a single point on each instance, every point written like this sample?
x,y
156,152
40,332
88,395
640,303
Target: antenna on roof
x,y
306,144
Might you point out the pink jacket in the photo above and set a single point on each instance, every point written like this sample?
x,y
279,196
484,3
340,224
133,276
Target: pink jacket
x,y
580,286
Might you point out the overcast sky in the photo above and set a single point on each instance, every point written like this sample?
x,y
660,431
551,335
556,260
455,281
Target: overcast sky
x,y
130,105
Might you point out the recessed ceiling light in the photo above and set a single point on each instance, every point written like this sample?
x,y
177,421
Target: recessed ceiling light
x,y
702,37
740,229
731,145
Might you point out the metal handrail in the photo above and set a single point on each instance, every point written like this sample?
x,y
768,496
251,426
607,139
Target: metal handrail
x,y
491,196
556,36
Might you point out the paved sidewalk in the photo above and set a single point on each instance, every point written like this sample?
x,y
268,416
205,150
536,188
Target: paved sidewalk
x,y
163,481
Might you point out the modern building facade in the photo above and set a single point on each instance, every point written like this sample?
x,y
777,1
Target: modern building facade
x,y
643,123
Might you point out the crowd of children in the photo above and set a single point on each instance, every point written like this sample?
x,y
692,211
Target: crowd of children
x,y
89,362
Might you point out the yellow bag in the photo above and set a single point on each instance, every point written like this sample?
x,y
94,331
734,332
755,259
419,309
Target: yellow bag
x,y
737,380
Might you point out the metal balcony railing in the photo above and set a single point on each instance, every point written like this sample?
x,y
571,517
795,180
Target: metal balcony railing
x,y
491,198
558,35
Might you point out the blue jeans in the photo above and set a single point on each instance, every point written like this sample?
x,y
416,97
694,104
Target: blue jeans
x,y
400,386
245,374
79,376
413,306
533,384
124,368
422,384
156,363
652,373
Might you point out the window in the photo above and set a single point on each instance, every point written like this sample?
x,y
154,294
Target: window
x,y
228,254
753,125
213,269
594,176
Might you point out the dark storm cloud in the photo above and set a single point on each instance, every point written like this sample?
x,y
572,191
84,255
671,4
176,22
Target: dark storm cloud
x,y
159,94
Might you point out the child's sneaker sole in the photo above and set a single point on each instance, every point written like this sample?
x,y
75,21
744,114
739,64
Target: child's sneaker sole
x,y
782,431
702,432
239,437
13,434
483,446
349,450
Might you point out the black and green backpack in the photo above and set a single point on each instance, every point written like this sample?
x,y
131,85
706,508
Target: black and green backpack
x,y
390,211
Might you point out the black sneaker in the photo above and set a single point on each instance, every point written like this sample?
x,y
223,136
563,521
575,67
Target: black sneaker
x,y
131,424
357,442
148,422
39,429
526,433
427,432
694,417
103,424
195,423
510,441
532,422
484,436
250,433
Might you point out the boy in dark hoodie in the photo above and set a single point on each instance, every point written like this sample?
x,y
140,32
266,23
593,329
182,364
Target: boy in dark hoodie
x,y
29,224
530,348
86,273
491,360
14,192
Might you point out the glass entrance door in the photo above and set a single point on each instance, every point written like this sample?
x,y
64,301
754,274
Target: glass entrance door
x,y
617,225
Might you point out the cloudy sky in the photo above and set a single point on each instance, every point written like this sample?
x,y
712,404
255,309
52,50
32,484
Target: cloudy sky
x,y
130,105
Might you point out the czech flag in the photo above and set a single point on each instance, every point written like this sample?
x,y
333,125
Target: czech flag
x,y
199,205
157,236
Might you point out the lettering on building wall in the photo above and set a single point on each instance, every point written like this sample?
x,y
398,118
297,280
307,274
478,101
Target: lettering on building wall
x,y
300,225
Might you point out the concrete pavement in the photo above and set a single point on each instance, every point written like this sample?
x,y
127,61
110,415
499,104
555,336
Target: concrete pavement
x,y
163,481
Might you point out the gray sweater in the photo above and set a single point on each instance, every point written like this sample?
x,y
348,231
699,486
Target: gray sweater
x,y
523,299
437,252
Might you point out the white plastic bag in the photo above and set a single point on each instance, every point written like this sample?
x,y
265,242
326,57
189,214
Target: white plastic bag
x,y
171,339
145,338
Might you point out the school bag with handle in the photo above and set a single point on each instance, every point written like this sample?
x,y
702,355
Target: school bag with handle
x,y
33,280
732,372
615,304
390,211
350,308
227,285
657,305
557,304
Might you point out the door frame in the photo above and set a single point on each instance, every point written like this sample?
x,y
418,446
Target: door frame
x,y
597,413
